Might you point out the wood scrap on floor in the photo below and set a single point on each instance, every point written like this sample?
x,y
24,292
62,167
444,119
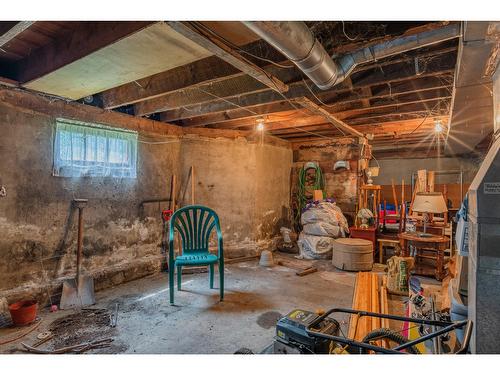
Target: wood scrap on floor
x,y
240,259
366,297
80,348
301,267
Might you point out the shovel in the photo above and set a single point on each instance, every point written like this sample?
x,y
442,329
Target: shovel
x,y
78,292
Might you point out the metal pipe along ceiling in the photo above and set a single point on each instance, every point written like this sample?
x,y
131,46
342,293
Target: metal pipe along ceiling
x,y
297,43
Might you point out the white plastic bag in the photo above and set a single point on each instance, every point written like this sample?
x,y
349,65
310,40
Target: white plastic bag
x,y
325,212
323,229
315,247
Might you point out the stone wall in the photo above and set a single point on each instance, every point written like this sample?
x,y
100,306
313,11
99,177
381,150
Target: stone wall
x,y
122,239
340,185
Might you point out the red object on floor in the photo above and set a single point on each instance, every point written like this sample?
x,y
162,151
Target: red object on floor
x,y
23,312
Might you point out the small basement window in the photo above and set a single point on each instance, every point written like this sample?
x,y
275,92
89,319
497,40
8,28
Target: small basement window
x,y
92,150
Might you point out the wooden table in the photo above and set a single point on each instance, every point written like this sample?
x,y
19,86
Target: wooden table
x,y
431,247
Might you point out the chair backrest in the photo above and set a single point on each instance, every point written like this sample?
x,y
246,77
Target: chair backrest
x,y
195,225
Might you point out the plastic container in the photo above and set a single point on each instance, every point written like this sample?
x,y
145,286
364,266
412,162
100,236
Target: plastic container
x,y
23,312
266,259
352,254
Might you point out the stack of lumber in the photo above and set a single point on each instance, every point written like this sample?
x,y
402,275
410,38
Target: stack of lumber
x,y
370,294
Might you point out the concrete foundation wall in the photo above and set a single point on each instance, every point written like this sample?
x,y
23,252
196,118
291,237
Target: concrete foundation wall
x,y
123,238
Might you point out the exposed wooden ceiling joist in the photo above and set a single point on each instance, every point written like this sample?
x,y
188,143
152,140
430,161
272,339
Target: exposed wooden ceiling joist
x,y
301,118
342,101
204,71
9,33
226,53
339,124
87,38
231,89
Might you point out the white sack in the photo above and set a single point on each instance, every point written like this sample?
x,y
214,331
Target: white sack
x,y
315,247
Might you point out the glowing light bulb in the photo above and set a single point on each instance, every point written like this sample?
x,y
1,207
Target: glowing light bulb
x,y
438,127
260,124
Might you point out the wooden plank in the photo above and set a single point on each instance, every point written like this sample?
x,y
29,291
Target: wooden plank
x,y
340,101
201,73
240,259
307,271
314,108
227,54
340,94
430,181
88,37
353,320
8,82
195,74
14,31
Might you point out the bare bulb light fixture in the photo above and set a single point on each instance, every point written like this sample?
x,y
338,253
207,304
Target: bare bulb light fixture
x,y
260,124
438,127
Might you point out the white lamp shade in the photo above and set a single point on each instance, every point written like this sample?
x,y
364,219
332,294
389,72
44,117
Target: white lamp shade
x,y
374,171
432,203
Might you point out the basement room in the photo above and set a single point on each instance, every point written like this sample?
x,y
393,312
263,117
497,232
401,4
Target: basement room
x,y
203,185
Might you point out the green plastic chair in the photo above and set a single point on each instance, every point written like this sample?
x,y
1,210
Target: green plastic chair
x,y
195,225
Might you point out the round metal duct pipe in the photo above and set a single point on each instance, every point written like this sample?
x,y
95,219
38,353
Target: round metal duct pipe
x,y
297,43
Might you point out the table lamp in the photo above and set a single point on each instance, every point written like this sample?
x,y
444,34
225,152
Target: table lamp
x,y
429,203
371,172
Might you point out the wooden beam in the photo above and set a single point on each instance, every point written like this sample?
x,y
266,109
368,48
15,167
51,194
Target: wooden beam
x,y
291,118
206,71
343,101
88,37
231,90
199,72
156,85
227,54
7,35
275,103
314,108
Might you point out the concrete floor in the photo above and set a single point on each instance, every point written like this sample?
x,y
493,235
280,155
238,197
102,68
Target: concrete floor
x,y
255,298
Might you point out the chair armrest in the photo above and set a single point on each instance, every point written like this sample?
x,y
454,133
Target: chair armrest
x,y
171,232
220,245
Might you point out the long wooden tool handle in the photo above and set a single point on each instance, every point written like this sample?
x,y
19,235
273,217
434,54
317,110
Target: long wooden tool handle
x,y
192,184
172,193
80,243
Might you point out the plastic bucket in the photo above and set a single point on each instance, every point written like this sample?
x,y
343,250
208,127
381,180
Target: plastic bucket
x,y
23,312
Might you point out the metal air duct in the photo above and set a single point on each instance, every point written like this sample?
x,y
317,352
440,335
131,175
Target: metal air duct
x,y
297,43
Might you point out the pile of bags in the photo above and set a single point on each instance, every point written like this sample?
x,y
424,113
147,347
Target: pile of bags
x,y
322,222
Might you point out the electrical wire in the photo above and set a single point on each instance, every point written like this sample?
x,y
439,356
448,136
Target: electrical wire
x,y
199,25
347,36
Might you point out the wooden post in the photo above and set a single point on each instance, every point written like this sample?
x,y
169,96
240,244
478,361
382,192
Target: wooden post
x,y
430,181
402,191
394,196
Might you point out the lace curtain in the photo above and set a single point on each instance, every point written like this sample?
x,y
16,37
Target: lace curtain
x,y
82,149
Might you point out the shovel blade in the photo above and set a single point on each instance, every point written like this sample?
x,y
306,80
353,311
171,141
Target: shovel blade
x,y
77,293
